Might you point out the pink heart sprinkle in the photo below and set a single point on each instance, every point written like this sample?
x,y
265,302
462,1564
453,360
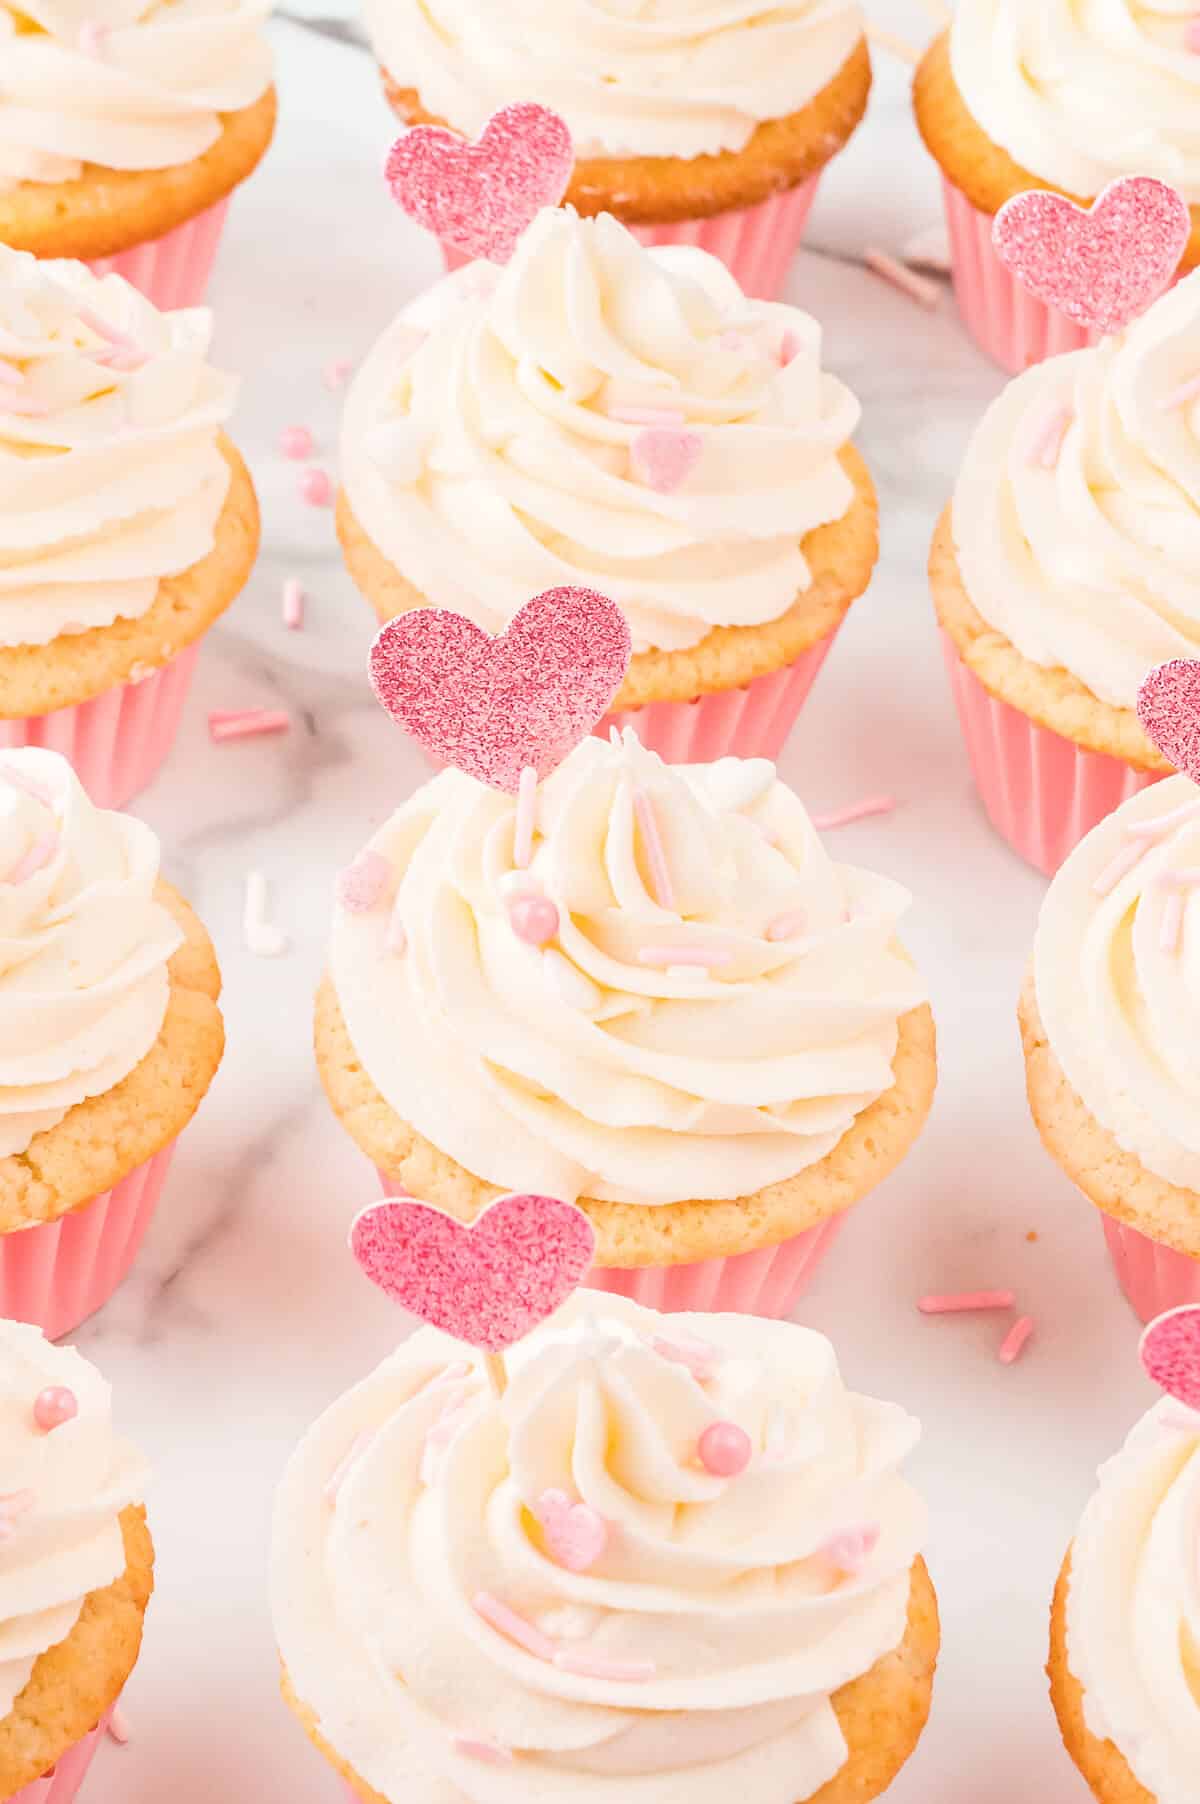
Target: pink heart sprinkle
x,y
576,1534
1170,1353
1103,266
492,707
488,1284
481,197
851,1550
1169,708
363,884
663,458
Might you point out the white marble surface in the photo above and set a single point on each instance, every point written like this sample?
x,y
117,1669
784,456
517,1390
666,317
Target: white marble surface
x,y
245,1316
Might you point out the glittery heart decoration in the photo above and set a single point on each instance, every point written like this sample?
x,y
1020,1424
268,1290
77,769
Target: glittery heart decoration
x,y
576,1534
1100,267
492,707
1169,708
1171,1354
480,197
488,1284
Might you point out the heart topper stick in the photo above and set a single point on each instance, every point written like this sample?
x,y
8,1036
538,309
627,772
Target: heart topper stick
x,y
1102,265
1170,1352
489,1284
1168,707
479,198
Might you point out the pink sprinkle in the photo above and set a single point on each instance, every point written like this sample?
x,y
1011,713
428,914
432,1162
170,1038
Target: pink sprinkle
x,y
966,1301
851,1550
856,811
1192,38
363,884
788,927
534,919
1171,930
346,1465
335,375
660,875
1015,1341
925,293
34,860
54,1406
724,1449
1120,867
592,1666
663,457
297,442
316,488
23,407
1047,447
526,817
706,957
647,416
293,605
118,1726
246,723
789,347
507,1622
699,1358
473,1747
93,38
96,322
1182,397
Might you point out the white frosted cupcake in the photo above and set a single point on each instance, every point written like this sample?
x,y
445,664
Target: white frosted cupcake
x,y
1123,1671
547,1597
601,415
128,521
681,1014
78,1566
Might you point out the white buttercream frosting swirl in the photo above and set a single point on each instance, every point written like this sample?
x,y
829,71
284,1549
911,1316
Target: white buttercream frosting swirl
x,y
1080,93
123,84
1086,553
1117,972
111,474
84,946
717,1605
679,78
602,1064
1133,1610
493,441
61,1497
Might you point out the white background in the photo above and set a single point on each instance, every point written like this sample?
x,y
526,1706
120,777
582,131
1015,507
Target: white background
x,y
245,1316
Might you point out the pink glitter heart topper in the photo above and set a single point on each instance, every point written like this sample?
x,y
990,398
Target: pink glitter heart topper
x,y
1103,266
481,197
1168,707
489,1284
1170,1352
496,706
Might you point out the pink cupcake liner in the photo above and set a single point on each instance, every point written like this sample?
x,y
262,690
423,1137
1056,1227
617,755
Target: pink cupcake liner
x,y
1042,793
60,1272
767,1282
752,722
756,244
1155,1278
172,271
118,741
60,1785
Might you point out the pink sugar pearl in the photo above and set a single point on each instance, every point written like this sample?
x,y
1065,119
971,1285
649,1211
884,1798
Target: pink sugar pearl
x,y
725,1450
316,488
297,443
55,1406
533,919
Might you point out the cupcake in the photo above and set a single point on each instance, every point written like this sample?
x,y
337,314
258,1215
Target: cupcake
x,y
1066,569
109,1038
1123,1650
696,126
528,1598
604,415
128,522
680,1013
123,133
1010,98
1110,1021
78,1566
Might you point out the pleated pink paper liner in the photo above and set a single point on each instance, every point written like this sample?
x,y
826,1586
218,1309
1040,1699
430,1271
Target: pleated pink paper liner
x,y
61,1785
1154,1278
117,742
60,1272
172,271
1042,793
